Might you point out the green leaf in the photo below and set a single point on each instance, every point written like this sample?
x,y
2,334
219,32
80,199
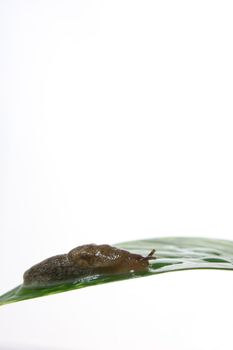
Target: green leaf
x,y
173,254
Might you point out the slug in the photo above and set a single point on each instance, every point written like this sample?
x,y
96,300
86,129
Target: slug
x,y
83,261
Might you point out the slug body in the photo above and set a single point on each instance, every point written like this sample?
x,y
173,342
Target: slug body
x,y
83,261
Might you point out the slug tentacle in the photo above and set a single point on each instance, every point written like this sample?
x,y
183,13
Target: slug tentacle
x,y
151,256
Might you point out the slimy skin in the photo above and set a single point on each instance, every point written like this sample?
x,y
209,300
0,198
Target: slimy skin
x,y
83,261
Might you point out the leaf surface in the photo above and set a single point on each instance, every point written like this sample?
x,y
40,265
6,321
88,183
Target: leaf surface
x,y
173,254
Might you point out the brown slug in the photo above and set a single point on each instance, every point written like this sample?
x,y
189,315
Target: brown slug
x,y
83,261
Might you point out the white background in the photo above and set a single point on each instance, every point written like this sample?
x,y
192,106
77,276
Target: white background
x,y
115,124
